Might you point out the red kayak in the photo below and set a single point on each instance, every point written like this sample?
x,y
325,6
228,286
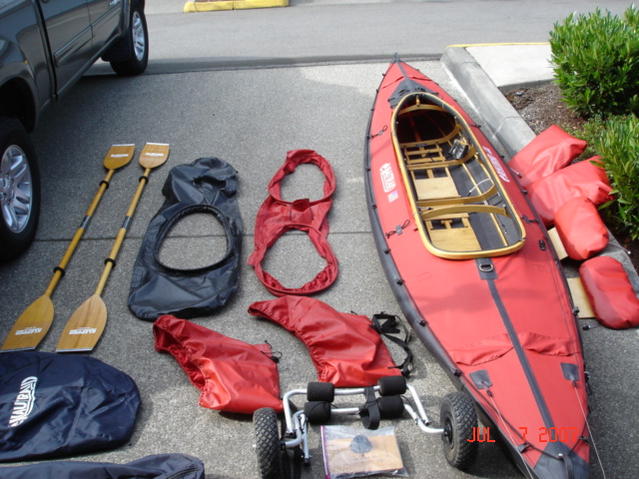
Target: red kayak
x,y
475,274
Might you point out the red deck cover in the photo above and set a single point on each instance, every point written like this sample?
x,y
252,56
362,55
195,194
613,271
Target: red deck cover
x,y
233,376
580,228
551,150
345,349
277,216
586,178
611,294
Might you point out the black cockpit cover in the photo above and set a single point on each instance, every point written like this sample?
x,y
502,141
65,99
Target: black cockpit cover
x,y
208,185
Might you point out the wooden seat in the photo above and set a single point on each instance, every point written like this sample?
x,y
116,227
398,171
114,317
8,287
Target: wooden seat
x,y
452,233
431,188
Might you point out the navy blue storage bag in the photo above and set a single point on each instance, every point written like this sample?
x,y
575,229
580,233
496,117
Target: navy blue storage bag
x,y
54,405
161,466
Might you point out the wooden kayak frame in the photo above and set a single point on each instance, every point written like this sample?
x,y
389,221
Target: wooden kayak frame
x,y
453,207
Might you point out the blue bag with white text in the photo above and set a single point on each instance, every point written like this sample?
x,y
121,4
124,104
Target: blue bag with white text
x,y
160,466
54,405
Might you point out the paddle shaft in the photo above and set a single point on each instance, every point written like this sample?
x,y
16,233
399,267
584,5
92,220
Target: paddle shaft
x,y
109,263
59,270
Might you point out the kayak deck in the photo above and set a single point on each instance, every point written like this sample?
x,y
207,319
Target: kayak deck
x,y
460,206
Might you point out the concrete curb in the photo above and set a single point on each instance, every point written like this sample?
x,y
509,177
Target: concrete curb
x,y
193,6
501,122
503,63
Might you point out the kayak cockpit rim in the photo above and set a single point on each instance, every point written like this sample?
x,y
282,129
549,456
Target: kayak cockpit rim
x,y
481,223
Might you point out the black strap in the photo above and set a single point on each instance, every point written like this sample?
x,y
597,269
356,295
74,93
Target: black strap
x,y
369,412
567,466
399,229
275,356
388,325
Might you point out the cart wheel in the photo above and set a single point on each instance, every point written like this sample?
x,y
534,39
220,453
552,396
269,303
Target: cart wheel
x,y
390,407
318,391
317,412
392,385
458,418
267,443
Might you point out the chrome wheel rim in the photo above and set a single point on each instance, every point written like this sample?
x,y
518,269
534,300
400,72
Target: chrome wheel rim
x,y
16,189
139,39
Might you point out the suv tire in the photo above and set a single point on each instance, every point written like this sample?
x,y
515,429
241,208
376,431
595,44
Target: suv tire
x,y
19,189
134,47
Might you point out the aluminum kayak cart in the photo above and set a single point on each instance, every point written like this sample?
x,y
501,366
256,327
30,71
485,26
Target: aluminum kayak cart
x,y
391,398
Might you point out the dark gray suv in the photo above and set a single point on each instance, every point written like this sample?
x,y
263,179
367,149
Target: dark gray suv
x,y
45,47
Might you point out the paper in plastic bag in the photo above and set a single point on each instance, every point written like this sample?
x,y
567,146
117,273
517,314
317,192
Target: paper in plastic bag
x,y
353,452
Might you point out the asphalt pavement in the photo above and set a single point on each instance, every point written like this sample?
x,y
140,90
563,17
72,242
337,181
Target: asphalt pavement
x,y
249,109
327,31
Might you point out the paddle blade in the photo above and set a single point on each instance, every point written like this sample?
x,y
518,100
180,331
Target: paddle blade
x,y
118,156
154,155
31,327
84,328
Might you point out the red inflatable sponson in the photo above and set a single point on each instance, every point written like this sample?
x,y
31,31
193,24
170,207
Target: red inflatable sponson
x,y
551,150
277,216
233,376
344,347
580,228
585,178
611,295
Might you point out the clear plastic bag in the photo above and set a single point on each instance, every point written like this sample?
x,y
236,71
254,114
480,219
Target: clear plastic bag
x,y
353,452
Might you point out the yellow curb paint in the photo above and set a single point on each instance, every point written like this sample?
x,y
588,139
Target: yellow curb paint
x,y
244,4
193,6
466,45
207,6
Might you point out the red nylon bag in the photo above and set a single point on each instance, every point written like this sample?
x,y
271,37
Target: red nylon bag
x,y
611,294
586,178
344,347
580,228
277,216
232,375
551,150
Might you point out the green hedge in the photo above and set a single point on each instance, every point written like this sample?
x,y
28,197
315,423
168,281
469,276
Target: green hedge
x,y
596,58
618,144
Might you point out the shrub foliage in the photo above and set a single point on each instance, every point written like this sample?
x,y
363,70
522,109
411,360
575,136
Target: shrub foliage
x,y
618,144
596,60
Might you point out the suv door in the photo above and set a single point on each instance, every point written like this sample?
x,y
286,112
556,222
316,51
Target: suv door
x,y
106,16
69,32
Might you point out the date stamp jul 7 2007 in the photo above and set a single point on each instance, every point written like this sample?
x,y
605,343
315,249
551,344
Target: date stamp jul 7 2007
x,y
543,434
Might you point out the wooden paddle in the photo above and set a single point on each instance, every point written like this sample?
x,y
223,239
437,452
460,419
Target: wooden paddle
x,y
86,325
34,322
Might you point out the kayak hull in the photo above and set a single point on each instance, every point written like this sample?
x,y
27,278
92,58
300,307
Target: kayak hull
x,y
501,325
